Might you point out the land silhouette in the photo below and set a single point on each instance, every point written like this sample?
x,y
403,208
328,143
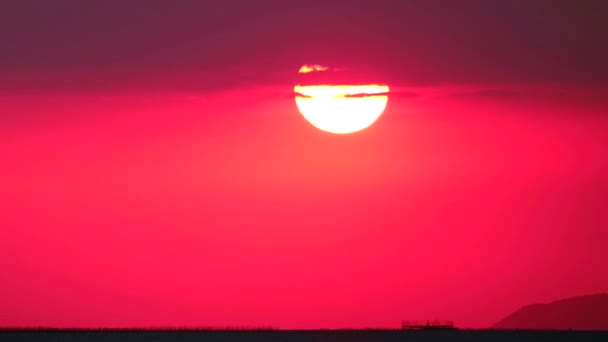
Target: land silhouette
x,y
588,312
582,318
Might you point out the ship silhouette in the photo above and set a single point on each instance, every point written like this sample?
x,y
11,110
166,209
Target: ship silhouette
x,y
428,325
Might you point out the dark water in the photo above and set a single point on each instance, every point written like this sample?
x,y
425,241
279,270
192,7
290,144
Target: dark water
x,y
296,336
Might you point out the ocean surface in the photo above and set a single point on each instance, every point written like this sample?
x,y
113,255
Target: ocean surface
x,y
295,336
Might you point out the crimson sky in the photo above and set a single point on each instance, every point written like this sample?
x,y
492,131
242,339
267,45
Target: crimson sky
x,y
155,170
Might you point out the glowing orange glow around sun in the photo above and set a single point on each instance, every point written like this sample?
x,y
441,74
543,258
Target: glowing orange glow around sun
x,y
341,109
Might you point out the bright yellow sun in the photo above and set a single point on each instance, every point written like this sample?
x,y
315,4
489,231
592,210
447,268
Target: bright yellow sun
x,y
340,109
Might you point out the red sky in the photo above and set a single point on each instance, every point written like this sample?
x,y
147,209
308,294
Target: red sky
x,y
156,171
143,210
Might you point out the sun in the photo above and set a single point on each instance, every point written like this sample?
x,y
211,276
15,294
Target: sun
x,y
340,108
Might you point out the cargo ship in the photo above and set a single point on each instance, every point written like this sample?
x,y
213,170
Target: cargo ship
x,y
428,325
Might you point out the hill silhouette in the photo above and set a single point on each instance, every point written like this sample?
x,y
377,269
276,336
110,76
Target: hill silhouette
x,y
577,313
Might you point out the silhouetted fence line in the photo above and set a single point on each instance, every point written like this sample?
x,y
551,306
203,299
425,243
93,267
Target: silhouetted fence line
x,y
152,328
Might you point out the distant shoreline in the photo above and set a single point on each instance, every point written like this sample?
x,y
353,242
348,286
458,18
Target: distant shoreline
x,y
272,329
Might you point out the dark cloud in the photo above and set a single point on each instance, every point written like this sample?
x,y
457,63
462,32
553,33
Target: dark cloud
x,y
590,92
301,95
496,93
402,94
360,95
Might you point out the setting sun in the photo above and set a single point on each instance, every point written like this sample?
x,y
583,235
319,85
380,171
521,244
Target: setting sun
x,y
311,68
341,109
